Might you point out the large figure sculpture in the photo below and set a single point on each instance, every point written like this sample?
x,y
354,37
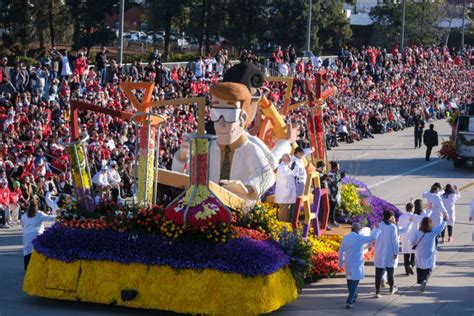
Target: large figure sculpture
x,y
239,165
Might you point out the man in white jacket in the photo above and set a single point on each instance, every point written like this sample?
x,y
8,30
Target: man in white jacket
x,y
238,164
285,189
438,211
351,253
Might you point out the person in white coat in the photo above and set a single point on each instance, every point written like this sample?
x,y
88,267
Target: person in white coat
x,y
351,254
424,244
114,179
297,165
438,211
404,221
32,223
449,197
50,199
386,252
100,179
285,189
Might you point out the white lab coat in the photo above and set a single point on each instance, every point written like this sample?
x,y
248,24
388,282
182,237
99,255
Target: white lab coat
x,y
51,202
437,207
249,165
285,188
113,177
32,228
351,253
425,253
101,179
405,234
449,204
386,246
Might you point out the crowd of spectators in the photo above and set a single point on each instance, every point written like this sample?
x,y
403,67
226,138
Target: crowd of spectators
x,y
376,94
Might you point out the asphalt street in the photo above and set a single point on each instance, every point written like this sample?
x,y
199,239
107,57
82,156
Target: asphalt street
x,y
394,170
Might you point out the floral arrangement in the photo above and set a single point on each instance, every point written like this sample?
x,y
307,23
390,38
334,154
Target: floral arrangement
x,y
146,161
299,253
351,202
448,150
81,177
198,206
325,264
378,206
245,256
261,217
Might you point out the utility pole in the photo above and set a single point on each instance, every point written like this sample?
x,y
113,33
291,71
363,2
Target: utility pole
x,y
308,30
121,19
402,35
463,26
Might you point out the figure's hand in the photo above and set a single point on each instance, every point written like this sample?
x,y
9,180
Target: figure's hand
x,y
445,216
235,186
184,151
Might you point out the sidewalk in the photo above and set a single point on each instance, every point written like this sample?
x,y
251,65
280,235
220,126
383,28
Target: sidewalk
x,y
450,290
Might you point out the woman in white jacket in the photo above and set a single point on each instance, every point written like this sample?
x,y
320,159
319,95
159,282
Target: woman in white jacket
x,y
285,188
32,223
425,249
386,252
404,221
449,198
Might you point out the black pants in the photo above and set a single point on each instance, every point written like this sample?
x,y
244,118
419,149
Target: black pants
x,y
418,140
332,210
428,152
26,260
378,277
450,231
422,275
409,261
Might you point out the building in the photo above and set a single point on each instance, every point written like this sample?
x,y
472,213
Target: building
x,y
135,19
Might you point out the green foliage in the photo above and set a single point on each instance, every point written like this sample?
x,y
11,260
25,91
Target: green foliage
x,y
420,23
299,251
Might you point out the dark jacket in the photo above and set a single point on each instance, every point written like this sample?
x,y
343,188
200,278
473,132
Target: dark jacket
x,y
430,138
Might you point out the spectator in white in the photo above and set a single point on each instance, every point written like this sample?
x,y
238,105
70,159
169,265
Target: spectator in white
x,y
209,62
438,211
65,66
316,61
343,132
199,67
424,244
32,223
351,253
283,69
113,177
386,252
285,188
51,199
10,120
449,197
297,165
100,179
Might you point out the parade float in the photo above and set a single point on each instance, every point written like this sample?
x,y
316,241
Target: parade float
x,y
209,251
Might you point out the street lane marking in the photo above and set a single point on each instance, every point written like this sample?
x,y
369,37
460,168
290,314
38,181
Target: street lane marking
x,y
466,186
404,174
360,156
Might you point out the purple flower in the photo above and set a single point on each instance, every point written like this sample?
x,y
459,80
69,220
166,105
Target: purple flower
x,y
378,206
241,255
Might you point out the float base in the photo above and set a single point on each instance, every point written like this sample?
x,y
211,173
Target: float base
x,y
159,287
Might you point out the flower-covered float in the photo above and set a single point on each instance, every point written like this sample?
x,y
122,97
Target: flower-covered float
x,y
199,254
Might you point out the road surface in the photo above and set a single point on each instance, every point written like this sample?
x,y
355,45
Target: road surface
x,y
394,171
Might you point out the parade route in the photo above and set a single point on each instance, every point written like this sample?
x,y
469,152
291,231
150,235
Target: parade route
x,y
394,171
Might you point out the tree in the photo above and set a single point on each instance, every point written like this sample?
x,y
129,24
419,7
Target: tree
x,y
89,21
165,14
421,20
20,19
334,26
